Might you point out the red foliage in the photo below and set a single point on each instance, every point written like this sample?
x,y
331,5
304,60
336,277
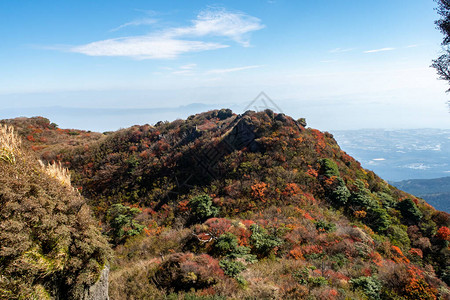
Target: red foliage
x,y
320,140
217,226
291,189
311,249
443,233
416,252
183,205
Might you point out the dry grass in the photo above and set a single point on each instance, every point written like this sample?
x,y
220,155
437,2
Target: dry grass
x,y
9,144
57,171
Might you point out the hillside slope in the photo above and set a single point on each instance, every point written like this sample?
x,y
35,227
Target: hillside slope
x,y
254,206
49,244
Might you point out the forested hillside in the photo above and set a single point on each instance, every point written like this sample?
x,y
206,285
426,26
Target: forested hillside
x,y
251,206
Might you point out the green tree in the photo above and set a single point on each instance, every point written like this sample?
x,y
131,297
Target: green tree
x,y
328,168
262,241
122,222
442,63
202,208
378,219
340,194
409,211
368,285
362,196
226,244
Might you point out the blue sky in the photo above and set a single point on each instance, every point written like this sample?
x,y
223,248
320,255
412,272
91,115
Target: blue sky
x,y
341,64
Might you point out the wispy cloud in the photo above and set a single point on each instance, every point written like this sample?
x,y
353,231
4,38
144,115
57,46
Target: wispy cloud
x,y
182,72
379,50
172,42
229,70
145,47
340,50
233,25
188,66
412,46
139,22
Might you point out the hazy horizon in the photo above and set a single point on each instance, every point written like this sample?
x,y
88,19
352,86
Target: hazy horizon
x,y
345,65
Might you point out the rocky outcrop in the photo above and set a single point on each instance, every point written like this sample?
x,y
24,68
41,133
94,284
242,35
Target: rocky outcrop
x,y
98,291
243,135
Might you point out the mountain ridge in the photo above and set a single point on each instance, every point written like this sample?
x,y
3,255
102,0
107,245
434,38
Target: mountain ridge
x,y
255,205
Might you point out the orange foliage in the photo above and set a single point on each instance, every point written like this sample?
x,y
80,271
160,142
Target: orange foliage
x,y
259,191
360,214
312,172
417,287
291,189
183,205
398,256
296,253
376,258
443,233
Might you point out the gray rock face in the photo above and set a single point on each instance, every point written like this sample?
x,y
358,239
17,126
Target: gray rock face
x,y
243,135
98,291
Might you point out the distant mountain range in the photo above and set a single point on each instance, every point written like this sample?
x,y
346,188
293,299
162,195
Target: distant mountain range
x,y
435,191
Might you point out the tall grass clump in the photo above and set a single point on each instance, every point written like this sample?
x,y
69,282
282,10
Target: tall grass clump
x,y
9,144
57,171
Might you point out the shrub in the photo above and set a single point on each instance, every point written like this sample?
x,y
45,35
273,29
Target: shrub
x,y
49,242
409,211
202,208
317,281
361,197
232,268
370,286
340,193
262,241
443,233
386,200
328,168
122,222
398,236
225,244
324,226
378,219
186,271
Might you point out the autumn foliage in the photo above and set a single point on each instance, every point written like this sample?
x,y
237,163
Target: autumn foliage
x,y
251,206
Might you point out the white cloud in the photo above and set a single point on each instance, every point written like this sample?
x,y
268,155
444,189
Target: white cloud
x,y
172,42
222,71
233,25
188,66
379,50
340,50
136,23
183,72
145,47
